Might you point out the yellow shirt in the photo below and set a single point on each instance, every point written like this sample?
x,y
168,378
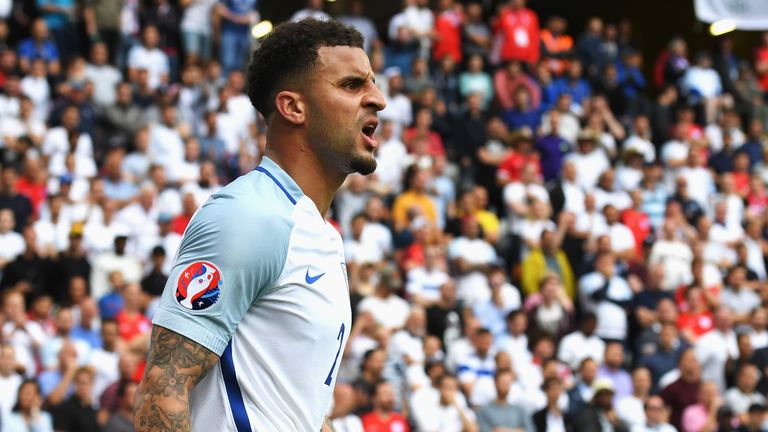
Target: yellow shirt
x,y
409,200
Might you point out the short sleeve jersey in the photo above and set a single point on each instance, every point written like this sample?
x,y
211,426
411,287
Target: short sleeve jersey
x,y
260,279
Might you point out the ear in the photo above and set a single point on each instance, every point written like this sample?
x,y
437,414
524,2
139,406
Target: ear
x,y
290,106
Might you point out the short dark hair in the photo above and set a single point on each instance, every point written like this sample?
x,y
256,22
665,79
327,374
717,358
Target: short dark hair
x,y
289,52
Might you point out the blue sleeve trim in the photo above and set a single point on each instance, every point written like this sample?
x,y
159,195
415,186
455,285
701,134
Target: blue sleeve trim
x,y
193,327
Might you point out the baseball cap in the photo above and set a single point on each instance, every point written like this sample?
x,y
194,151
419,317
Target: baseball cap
x,y
393,71
110,305
76,230
603,384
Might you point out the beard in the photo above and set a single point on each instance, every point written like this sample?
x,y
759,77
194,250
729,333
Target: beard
x,y
363,164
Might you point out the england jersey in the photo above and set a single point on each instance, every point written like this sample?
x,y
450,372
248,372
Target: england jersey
x,y
260,279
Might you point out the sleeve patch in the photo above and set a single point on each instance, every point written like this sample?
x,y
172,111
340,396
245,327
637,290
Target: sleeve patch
x,y
199,286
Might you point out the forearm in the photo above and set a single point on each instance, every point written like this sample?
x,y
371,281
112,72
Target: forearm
x,y
175,364
154,411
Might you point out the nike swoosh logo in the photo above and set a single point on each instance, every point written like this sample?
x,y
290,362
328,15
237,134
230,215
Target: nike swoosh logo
x,y
312,279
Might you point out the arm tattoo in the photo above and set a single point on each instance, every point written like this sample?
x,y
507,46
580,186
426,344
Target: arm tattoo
x,y
175,364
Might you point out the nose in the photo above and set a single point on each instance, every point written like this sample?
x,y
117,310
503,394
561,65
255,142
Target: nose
x,y
374,98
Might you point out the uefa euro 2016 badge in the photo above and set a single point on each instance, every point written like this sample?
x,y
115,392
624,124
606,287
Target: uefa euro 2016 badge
x,y
199,286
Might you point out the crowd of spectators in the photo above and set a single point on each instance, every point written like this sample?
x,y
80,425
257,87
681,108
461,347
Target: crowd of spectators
x,y
553,239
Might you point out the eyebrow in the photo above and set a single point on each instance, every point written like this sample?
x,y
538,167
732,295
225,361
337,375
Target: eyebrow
x,y
358,77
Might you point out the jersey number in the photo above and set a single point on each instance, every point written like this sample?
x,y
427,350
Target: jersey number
x,y
339,338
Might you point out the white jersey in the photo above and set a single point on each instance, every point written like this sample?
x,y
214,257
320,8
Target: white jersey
x,y
260,279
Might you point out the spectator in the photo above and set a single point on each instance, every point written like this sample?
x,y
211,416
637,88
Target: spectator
x,y
608,295
716,347
39,46
122,419
384,417
552,417
517,30
655,413
10,380
582,344
27,413
388,309
447,412
666,356
741,397
77,412
630,409
611,370
683,392
704,414
471,256
149,57
341,414
583,390
600,411
499,413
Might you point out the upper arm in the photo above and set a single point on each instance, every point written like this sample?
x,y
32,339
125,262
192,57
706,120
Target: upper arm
x,y
222,268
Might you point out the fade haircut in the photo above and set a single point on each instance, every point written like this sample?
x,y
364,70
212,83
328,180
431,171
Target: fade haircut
x,y
289,53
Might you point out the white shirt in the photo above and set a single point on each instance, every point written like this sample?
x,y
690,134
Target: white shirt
x,y
700,184
575,347
165,145
11,245
430,416
57,142
390,312
154,61
197,17
472,287
631,410
676,257
704,81
310,13
251,288
713,350
589,167
611,318
426,283
399,111
105,364
391,162
38,90
24,342
105,79
9,389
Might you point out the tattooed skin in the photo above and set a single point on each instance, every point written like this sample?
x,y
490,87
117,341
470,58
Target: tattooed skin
x,y
174,365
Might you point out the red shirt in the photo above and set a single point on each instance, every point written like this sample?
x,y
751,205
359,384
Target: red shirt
x,y
640,225
448,31
434,147
699,324
180,222
132,325
393,423
761,57
512,167
36,193
519,34
741,182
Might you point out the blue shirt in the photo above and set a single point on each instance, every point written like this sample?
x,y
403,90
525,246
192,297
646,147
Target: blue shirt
x,y
517,119
579,89
237,7
56,21
551,150
29,50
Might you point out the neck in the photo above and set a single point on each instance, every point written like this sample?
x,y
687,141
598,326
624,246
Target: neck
x,y
308,172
